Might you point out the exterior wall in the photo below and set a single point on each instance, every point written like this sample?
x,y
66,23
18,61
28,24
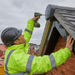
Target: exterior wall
x,y
33,50
2,49
1,53
67,68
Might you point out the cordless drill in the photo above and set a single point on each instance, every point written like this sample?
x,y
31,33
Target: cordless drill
x,y
36,14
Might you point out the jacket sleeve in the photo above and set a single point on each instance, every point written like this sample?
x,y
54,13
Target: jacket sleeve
x,y
41,64
28,31
46,63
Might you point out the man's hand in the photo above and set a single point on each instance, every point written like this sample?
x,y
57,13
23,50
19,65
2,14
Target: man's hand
x,y
69,43
35,18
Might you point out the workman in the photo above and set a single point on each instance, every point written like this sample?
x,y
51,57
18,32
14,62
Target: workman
x,y
19,62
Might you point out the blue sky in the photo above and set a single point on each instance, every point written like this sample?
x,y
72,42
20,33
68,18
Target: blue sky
x,y
16,13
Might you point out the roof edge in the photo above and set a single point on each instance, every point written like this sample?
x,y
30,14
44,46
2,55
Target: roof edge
x,y
50,9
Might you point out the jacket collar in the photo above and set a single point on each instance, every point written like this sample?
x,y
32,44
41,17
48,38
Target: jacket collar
x,y
16,47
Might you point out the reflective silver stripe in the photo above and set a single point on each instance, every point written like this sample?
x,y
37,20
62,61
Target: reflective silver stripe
x,y
6,72
21,73
39,73
52,60
29,63
28,31
7,60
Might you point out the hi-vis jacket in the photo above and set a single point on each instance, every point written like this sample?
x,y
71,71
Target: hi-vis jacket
x,y
19,62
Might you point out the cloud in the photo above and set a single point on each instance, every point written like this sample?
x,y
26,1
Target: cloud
x,y
15,13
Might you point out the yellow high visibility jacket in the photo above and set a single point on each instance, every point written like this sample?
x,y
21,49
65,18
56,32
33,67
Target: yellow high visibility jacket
x,y
19,62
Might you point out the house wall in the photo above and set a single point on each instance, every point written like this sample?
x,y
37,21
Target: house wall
x,y
1,53
67,68
33,50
